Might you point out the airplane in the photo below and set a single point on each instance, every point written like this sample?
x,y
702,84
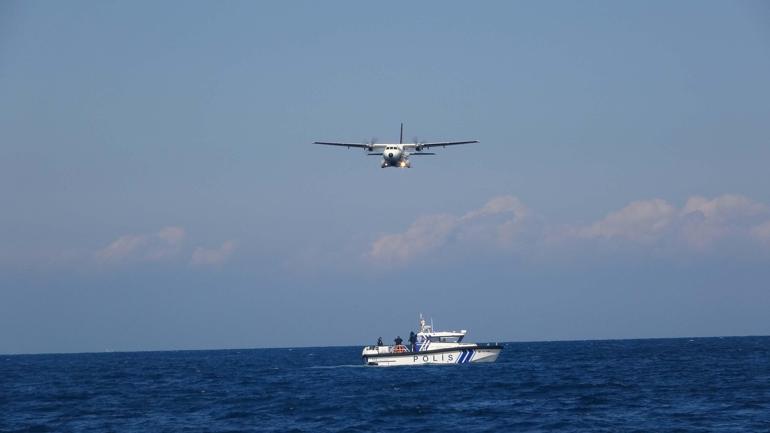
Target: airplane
x,y
396,155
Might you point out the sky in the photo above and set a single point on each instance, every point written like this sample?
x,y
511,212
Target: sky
x,y
159,188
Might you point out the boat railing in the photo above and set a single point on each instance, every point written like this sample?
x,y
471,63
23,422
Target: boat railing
x,y
404,348
401,348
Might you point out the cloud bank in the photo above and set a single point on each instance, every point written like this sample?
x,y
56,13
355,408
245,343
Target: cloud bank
x,y
506,223
504,226
167,244
212,256
698,225
164,244
432,232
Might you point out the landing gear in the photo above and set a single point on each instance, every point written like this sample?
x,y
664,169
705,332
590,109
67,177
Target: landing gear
x,y
399,164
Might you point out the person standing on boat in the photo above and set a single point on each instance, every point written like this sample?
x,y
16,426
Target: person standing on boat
x,y
398,340
379,341
412,339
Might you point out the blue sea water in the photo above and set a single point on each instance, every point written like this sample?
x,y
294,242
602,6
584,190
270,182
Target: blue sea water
x,y
661,385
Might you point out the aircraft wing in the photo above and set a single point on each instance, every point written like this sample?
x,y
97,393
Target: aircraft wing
x,y
348,145
446,143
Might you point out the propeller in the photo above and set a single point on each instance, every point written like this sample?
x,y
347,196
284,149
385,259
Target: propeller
x,y
370,144
417,144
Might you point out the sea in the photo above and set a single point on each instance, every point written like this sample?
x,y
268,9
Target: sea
x,y
650,385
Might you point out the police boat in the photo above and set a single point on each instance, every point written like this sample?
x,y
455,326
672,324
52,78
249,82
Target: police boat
x,y
431,347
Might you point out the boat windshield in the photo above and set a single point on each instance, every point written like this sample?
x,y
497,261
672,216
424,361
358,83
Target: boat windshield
x,y
435,339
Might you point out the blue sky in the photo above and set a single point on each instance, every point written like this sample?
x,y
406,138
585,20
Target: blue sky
x,y
159,189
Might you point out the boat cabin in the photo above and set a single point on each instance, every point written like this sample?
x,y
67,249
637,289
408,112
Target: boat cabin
x,y
428,338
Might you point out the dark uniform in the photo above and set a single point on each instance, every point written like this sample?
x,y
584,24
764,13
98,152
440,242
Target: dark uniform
x,y
398,340
412,339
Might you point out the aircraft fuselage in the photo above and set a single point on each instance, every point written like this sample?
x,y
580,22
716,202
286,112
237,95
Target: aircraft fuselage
x,y
395,156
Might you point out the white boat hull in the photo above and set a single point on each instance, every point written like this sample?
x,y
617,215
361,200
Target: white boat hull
x,y
460,355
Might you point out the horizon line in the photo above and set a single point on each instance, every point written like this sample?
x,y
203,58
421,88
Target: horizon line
x,y
108,351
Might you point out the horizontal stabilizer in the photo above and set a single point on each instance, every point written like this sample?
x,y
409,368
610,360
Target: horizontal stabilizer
x,y
422,153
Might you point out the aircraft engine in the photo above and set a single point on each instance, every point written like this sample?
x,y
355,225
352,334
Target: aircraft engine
x,y
418,145
370,145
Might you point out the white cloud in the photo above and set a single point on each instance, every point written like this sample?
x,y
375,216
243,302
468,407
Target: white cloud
x,y
122,247
212,256
724,208
641,221
499,205
506,223
698,225
172,235
164,244
425,234
170,245
705,222
429,233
